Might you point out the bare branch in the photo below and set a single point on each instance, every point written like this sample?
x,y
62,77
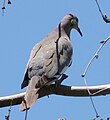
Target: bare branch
x,y
87,67
105,18
95,55
4,5
80,91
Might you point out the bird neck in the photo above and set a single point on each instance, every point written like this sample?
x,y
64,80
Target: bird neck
x,y
60,31
63,30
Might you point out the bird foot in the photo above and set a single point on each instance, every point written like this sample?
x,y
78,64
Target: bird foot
x,y
58,82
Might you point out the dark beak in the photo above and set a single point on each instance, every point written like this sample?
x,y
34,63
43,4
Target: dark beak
x,y
78,29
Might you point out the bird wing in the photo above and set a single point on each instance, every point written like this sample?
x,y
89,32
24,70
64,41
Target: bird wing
x,y
52,57
44,59
34,51
65,54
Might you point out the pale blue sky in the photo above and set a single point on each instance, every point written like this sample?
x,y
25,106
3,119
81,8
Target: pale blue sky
x,y
27,22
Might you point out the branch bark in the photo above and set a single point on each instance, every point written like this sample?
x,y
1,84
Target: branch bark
x,y
74,91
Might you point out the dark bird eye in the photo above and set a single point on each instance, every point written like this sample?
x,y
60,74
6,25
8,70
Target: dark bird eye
x,y
73,21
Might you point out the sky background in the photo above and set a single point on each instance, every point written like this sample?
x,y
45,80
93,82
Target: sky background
x,y
24,24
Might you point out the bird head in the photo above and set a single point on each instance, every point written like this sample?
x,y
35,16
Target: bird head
x,y
69,22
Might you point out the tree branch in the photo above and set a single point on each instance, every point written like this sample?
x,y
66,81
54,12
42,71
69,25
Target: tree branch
x,y
105,18
96,55
74,91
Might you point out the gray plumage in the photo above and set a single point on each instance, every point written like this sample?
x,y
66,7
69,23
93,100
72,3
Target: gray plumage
x,y
49,59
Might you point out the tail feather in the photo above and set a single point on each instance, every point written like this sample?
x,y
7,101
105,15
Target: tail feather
x,y
29,99
31,94
25,81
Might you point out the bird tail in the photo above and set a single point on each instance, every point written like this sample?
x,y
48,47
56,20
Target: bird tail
x,y
31,95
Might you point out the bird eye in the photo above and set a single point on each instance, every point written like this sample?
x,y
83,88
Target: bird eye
x,y
73,21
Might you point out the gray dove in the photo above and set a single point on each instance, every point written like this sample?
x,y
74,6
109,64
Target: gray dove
x,y
49,60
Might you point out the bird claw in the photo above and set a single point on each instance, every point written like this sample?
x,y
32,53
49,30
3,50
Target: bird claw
x,y
58,82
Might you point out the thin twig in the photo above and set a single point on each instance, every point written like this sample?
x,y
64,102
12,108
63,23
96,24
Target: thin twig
x,y
95,55
99,8
9,2
90,62
90,95
3,7
4,4
88,65
9,111
107,20
26,110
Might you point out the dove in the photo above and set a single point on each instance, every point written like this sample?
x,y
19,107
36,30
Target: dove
x,y
49,60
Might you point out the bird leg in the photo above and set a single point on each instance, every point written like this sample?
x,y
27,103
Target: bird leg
x,y
58,82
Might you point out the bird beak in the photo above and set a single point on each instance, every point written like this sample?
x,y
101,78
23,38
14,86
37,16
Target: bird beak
x,y
78,29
